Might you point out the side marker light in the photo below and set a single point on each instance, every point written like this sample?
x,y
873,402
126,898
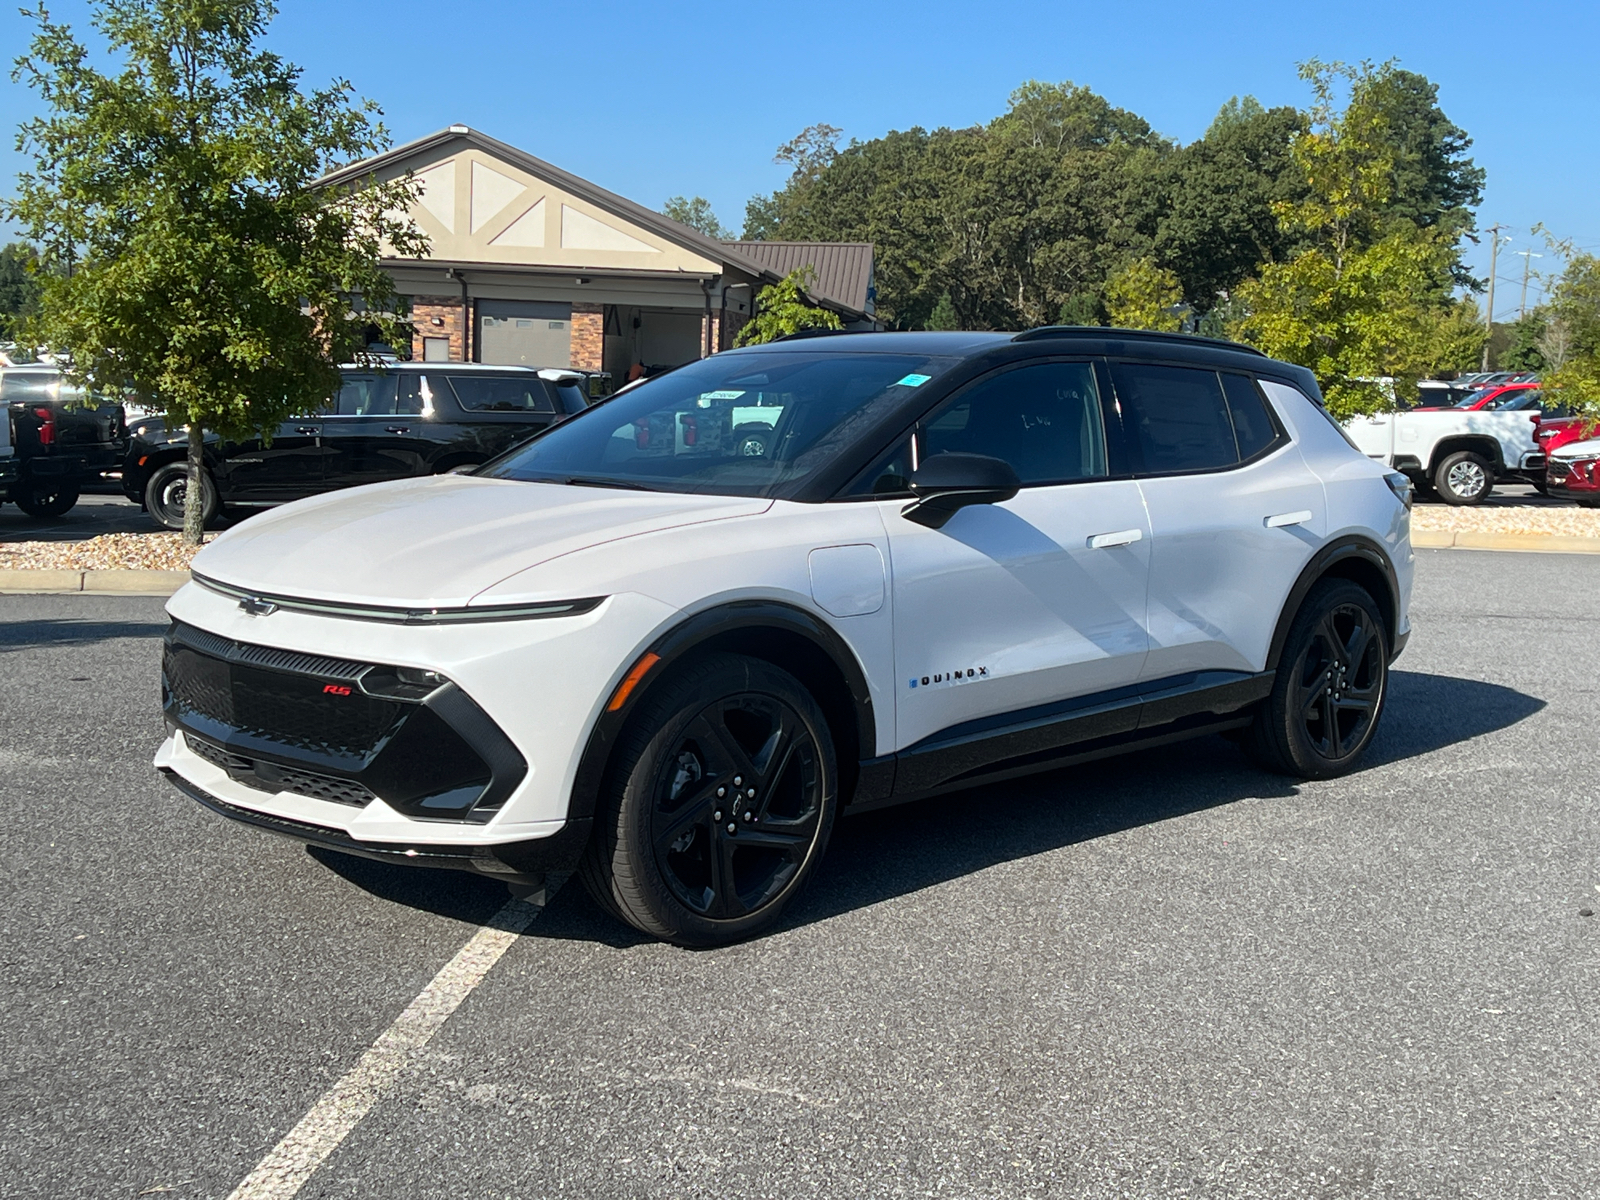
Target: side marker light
x,y
631,681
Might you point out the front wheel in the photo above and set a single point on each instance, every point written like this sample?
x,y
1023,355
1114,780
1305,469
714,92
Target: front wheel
x,y
1330,688
719,805
44,499
168,490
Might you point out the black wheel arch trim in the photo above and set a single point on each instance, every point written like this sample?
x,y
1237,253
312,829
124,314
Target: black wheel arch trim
x,y
719,628
1347,549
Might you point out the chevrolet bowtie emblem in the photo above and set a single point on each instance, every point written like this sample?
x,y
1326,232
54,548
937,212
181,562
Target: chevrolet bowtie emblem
x,y
257,607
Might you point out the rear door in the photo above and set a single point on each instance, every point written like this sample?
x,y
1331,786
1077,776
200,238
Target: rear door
x,y
492,410
1235,514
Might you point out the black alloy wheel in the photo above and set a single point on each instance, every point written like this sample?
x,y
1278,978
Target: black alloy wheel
x,y
44,499
727,803
1331,685
167,491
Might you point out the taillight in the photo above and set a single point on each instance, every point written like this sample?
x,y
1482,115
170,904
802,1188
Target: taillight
x,y
641,434
691,428
47,426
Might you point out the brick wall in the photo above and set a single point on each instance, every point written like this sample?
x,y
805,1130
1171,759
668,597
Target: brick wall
x,y
423,310
588,337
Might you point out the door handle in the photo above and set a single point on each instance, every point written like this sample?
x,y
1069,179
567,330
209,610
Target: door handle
x,y
308,429
1123,537
397,429
1284,520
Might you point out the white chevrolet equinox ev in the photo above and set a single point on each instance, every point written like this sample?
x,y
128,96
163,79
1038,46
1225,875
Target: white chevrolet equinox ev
x,y
667,642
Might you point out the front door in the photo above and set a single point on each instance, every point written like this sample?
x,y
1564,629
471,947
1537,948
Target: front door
x,y
1235,512
288,467
1012,609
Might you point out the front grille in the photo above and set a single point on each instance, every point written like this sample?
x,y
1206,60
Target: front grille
x,y
282,706
333,729
274,777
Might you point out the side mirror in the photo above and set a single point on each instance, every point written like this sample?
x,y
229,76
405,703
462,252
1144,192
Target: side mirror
x,y
948,482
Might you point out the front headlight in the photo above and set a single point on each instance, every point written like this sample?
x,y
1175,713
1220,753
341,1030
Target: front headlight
x,y
1402,487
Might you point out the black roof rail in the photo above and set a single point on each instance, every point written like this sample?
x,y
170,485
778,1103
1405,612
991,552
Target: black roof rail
x,y
818,331
1144,335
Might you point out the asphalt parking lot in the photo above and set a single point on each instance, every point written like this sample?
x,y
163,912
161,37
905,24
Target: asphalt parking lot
x,y
1160,977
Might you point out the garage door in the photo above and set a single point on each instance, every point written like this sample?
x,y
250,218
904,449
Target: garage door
x,y
524,333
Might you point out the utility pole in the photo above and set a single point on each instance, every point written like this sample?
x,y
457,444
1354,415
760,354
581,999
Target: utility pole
x,y
1488,317
1527,259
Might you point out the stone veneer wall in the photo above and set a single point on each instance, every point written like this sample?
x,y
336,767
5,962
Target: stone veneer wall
x,y
448,310
588,337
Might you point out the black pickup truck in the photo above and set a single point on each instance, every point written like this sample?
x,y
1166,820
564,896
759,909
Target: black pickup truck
x,y
60,439
394,421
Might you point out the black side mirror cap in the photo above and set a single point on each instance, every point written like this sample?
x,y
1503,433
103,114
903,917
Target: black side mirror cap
x,y
946,483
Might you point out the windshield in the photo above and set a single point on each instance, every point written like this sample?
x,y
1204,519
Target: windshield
x,y
733,424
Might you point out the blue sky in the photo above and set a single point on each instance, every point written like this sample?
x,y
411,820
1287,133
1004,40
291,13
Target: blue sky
x,y
652,100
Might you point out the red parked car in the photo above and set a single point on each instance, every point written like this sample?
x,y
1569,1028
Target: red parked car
x,y
1574,470
1505,397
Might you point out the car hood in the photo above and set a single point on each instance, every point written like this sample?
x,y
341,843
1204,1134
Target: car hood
x,y
1588,448
438,542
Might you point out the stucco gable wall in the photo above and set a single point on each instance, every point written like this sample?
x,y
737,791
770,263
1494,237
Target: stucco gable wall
x,y
479,208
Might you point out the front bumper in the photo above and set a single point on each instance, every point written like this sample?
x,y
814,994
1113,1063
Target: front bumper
x,y
538,685
527,863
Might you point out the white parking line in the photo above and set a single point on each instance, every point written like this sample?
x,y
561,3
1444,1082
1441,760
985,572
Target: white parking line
x,y
304,1148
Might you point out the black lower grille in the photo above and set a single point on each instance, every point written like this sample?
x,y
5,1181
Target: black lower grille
x,y
332,729
274,777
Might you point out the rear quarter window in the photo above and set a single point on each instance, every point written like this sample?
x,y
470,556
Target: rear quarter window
x,y
500,393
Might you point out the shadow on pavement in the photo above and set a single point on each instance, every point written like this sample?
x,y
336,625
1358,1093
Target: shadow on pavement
x,y
28,635
895,852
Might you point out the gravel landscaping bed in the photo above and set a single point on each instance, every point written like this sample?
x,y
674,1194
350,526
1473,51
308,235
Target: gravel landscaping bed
x,y
1524,519
108,552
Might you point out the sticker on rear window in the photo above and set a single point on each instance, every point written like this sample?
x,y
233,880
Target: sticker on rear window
x,y
911,381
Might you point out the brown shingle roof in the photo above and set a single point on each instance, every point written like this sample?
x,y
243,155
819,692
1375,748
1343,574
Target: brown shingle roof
x,y
843,270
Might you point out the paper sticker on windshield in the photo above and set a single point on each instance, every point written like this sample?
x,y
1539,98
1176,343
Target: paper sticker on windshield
x,y
721,395
911,381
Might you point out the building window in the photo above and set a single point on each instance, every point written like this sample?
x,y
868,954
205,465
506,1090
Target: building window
x,y
435,349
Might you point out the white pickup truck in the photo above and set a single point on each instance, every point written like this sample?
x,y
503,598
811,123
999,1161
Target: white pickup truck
x,y
1459,453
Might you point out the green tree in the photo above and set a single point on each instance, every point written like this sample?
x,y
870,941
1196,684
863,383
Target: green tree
x,y
1523,353
19,286
210,271
1234,113
696,214
783,308
1569,341
1079,308
944,315
1144,296
1369,294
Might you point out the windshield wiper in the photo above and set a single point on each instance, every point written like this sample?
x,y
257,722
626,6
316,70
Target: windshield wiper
x,y
578,481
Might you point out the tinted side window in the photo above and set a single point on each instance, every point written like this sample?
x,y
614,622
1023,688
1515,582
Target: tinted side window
x,y
501,393
1176,418
408,399
367,396
1253,427
1044,420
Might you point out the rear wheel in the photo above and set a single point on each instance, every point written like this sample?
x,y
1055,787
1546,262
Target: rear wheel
x,y
1464,478
719,806
43,499
1330,687
168,490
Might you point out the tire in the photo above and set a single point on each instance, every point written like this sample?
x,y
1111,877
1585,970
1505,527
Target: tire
x,y
1333,677
681,850
43,499
751,441
1464,478
166,490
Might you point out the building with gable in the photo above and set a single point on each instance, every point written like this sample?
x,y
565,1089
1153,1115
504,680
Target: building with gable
x,y
530,264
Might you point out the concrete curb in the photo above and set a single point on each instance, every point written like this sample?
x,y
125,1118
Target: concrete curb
x,y
1553,543
125,582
